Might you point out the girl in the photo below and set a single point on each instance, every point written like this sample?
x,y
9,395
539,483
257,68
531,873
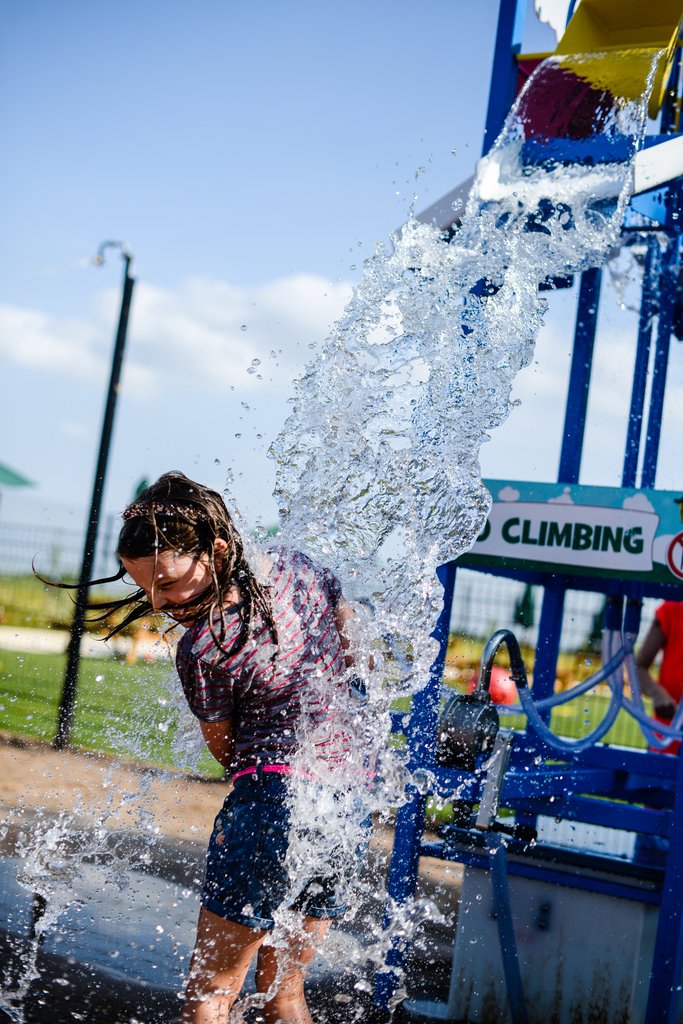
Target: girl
x,y
263,667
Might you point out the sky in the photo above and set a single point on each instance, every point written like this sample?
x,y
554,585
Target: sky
x,y
251,156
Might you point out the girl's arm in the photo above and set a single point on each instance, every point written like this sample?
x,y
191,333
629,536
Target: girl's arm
x,y
343,615
655,640
218,738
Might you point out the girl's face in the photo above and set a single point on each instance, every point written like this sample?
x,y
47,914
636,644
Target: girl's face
x,y
173,581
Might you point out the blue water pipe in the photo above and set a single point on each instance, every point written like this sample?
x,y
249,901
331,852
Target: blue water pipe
x,y
506,932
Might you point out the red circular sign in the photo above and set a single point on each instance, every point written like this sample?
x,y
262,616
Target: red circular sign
x,y
674,556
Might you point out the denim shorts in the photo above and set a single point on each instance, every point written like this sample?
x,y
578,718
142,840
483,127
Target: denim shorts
x,y
246,873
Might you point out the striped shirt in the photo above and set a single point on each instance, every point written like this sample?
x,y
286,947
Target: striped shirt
x,y
270,692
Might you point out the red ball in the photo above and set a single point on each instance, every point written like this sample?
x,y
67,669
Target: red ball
x,y
502,688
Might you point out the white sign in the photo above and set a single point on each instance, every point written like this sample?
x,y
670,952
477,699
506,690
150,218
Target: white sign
x,y
578,535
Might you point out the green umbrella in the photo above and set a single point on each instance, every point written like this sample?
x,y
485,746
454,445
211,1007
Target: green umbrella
x,y
8,478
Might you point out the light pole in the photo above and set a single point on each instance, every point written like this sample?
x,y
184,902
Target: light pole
x,y
67,703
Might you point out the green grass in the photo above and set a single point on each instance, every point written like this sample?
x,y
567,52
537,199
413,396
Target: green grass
x,y
25,601
121,709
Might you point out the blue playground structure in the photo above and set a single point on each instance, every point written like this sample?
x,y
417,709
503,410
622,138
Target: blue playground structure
x,y
547,932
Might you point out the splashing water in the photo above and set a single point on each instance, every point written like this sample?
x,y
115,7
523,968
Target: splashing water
x,y
378,464
110,843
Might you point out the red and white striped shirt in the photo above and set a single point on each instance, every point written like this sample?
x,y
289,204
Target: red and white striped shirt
x,y
271,693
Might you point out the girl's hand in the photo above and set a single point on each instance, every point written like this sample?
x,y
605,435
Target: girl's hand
x,y
343,615
664,707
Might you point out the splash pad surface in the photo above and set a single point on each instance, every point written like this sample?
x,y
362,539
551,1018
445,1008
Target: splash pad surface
x,y
120,955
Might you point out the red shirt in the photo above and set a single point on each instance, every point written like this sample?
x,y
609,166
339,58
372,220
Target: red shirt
x,y
670,617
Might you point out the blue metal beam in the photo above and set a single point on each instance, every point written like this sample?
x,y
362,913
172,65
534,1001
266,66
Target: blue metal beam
x,y
547,872
579,376
421,737
511,17
667,960
647,312
667,298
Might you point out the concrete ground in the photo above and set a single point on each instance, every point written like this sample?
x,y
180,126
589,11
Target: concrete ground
x,y
123,850
147,646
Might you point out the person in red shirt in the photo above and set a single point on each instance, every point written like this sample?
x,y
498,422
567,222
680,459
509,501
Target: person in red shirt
x,y
665,635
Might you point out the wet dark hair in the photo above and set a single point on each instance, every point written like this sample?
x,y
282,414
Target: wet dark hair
x,y
178,514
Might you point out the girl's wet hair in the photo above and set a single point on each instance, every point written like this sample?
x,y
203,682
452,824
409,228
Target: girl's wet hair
x,y
178,514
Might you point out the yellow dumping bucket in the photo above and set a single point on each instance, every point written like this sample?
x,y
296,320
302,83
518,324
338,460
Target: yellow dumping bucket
x,y
618,29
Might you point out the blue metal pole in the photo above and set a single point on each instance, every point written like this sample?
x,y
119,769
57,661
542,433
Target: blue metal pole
x,y
667,297
420,737
579,376
552,607
506,932
635,419
667,959
421,730
670,107
548,644
511,17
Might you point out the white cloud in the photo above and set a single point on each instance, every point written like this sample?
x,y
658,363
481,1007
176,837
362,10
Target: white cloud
x,y
205,334
209,333
639,502
39,341
562,499
508,494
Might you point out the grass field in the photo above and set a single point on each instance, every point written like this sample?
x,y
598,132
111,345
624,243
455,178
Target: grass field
x,y
129,710
122,709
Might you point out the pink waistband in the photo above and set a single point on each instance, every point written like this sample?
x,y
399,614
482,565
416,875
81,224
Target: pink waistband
x,y
278,769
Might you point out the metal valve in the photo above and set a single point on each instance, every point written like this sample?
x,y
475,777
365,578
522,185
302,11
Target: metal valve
x,y
468,725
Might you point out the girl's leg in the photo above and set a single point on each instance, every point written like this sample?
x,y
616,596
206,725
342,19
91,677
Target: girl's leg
x,y
220,962
284,970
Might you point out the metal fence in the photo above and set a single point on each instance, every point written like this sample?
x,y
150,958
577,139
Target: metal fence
x,y
56,552
482,604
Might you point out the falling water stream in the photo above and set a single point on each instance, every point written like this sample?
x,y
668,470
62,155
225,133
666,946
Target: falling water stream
x,y
378,464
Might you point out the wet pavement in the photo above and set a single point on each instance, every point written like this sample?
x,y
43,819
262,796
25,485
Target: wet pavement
x,y
119,951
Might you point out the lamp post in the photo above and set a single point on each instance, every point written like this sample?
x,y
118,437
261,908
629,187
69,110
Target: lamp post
x,y
68,699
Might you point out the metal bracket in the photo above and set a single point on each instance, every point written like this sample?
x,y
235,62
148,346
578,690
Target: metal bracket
x,y
491,789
